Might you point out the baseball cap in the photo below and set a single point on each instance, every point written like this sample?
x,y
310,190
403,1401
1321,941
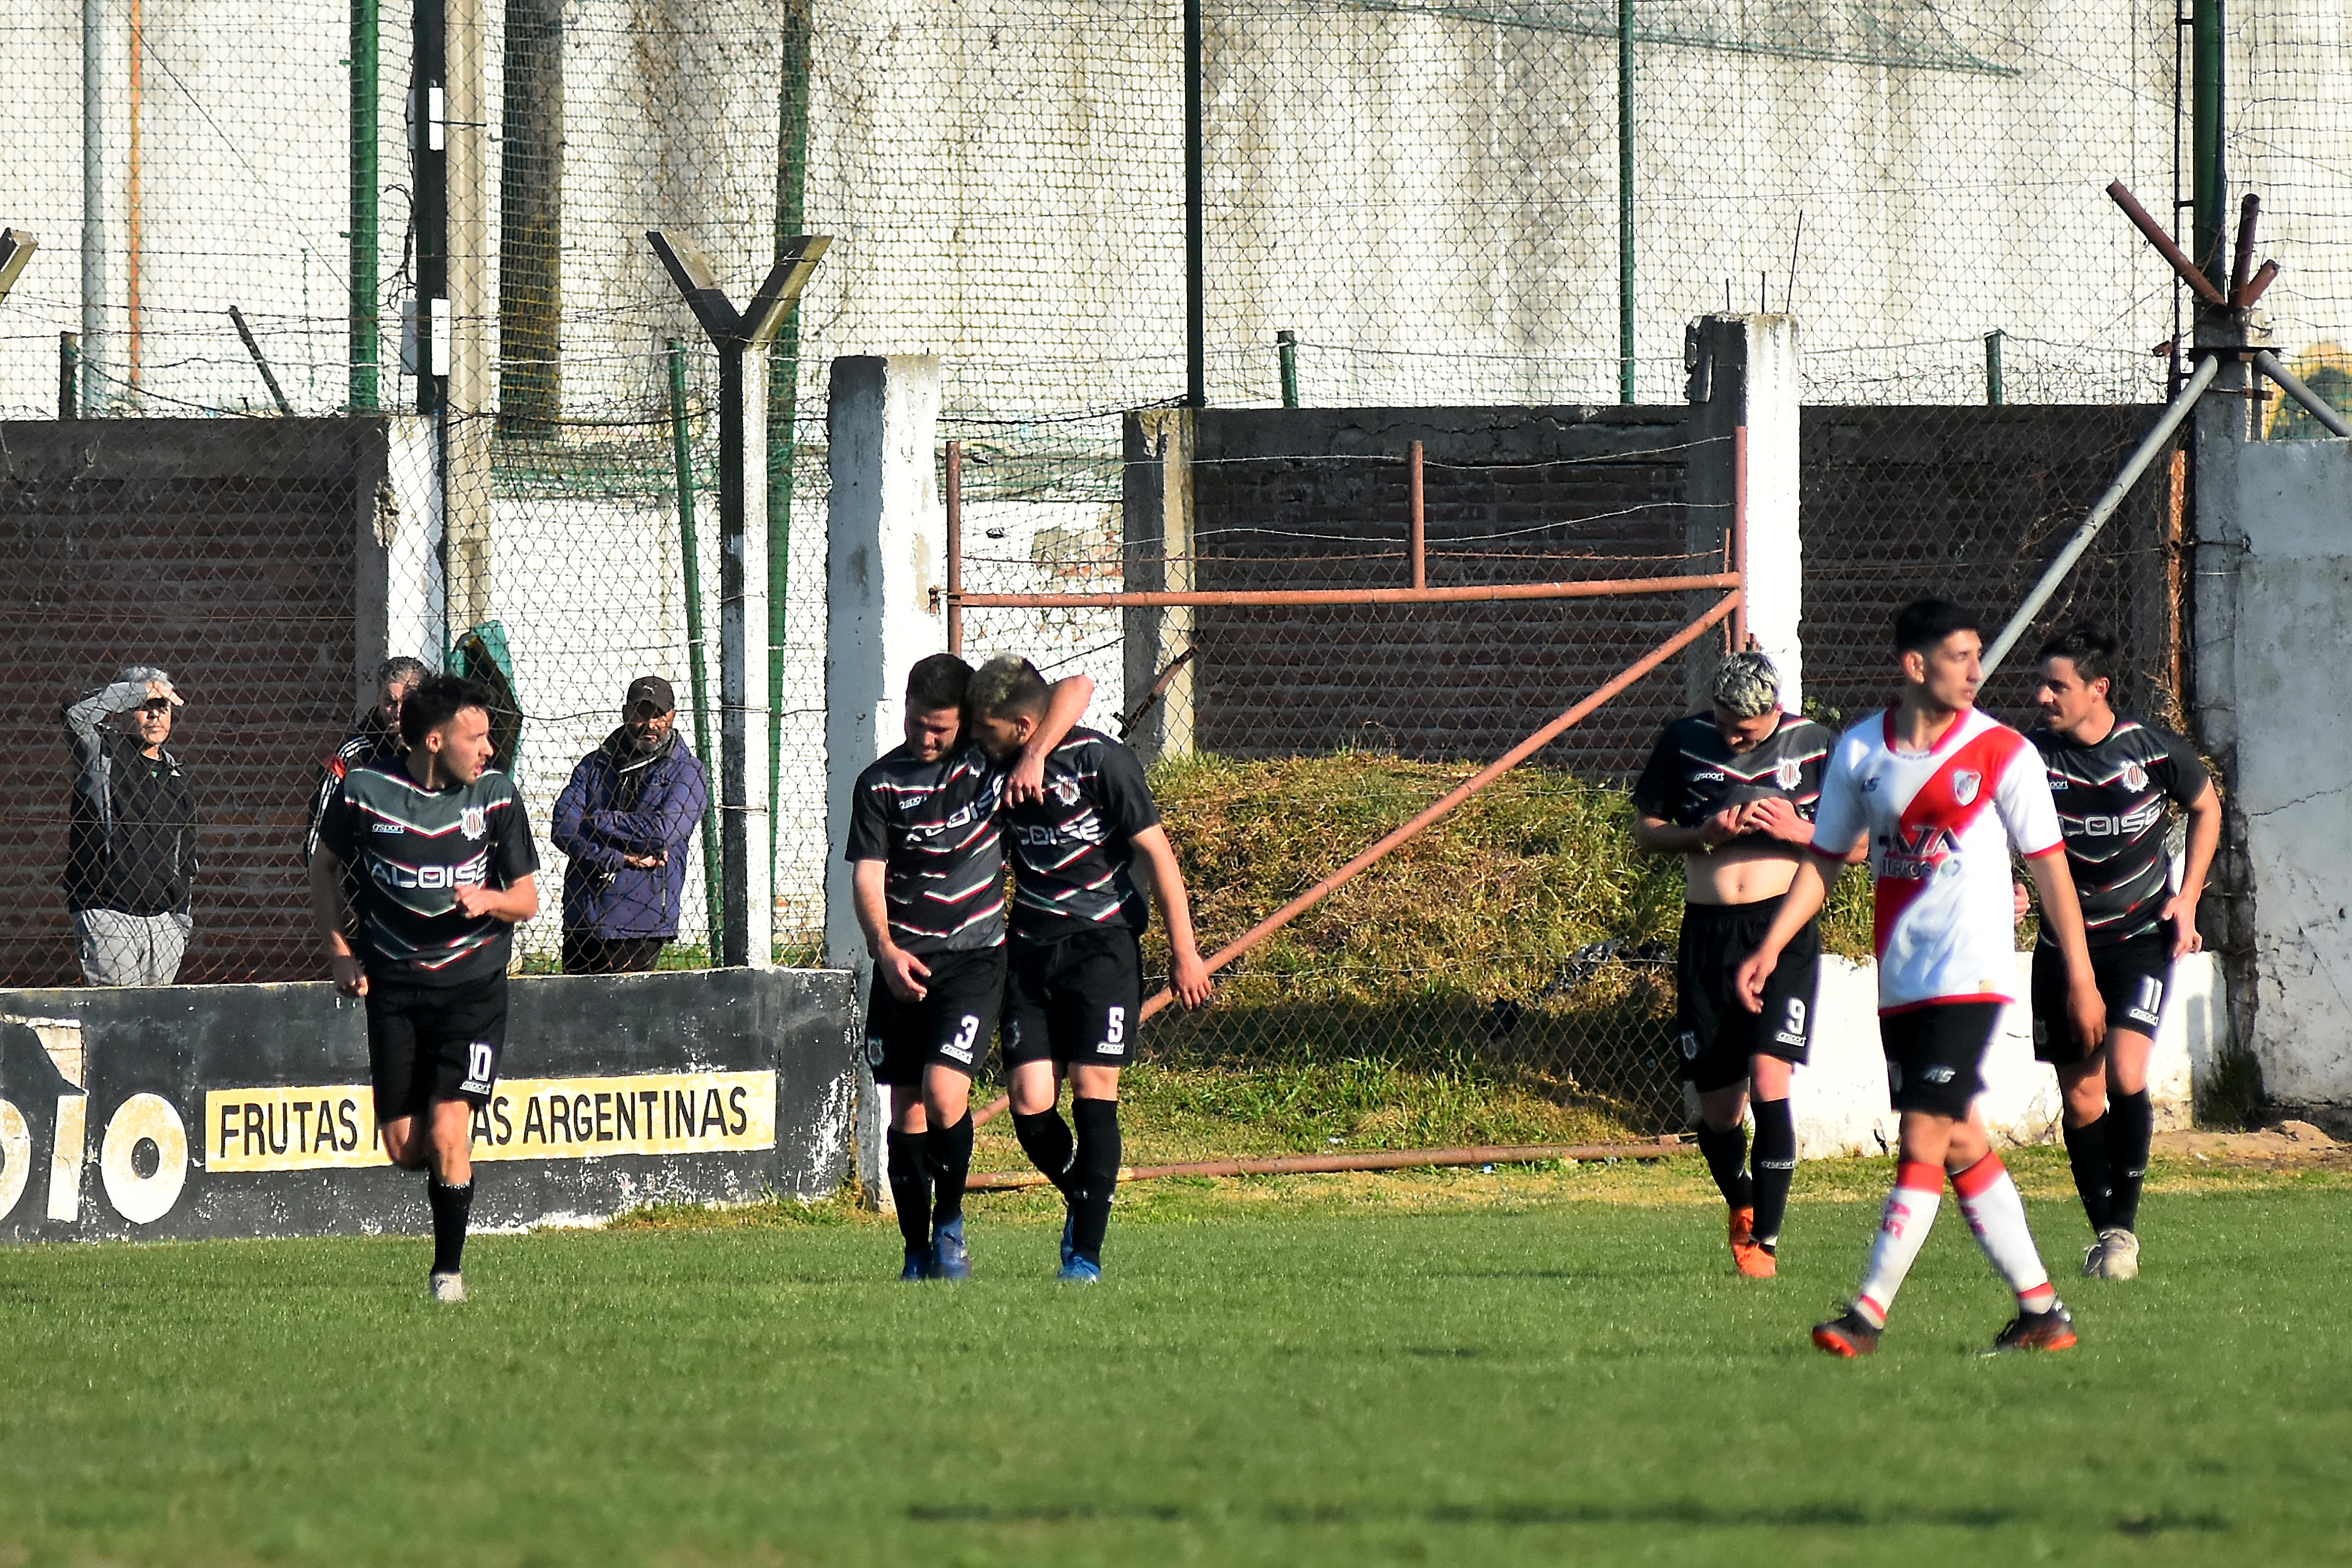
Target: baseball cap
x,y
649,694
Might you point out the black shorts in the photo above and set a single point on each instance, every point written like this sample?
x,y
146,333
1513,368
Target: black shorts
x,y
1935,1055
1075,1001
2133,977
429,1043
950,1027
1719,1034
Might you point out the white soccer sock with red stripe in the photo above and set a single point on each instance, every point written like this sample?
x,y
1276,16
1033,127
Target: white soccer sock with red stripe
x,y
1996,1213
1901,1230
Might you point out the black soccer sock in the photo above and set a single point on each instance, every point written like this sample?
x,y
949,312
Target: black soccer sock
x,y
1045,1139
2087,1151
910,1188
1776,1167
1727,1156
949,1150
1098,1173
2131,1127
451,1208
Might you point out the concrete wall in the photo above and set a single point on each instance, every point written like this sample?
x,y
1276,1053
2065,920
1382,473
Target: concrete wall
x,y
2288,576
243,1110
1841,1097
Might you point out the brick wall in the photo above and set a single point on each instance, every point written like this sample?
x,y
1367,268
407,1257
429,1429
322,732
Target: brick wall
x,y
226,552
1970,504
1299,497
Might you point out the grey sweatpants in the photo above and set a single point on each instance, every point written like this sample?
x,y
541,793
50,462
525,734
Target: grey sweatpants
x,y
117,949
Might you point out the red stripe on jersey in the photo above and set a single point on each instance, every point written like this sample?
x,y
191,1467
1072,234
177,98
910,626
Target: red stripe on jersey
x,y
1959,792
2057,849
1944,1002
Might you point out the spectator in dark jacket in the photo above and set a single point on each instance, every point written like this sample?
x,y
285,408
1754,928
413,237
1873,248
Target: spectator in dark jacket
x,y
131,845
626,819
375,739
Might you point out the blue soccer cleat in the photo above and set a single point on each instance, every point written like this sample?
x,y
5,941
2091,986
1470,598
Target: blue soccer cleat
x,y
951,1260
1078,1271
919,1265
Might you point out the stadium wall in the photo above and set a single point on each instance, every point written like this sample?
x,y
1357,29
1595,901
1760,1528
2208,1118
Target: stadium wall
x,y
242,1110
1841,1095
2275,584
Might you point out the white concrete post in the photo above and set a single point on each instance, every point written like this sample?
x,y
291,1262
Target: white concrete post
x,y
1745,392
886,555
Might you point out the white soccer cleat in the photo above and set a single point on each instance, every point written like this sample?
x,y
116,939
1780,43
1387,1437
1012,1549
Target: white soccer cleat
x,y
449,1288
2118,1255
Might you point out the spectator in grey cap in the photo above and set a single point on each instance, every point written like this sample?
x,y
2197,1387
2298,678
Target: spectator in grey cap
x,y
131,850
375,739
626,819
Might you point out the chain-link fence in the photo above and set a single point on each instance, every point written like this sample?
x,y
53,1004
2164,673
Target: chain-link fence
x,y
1403,203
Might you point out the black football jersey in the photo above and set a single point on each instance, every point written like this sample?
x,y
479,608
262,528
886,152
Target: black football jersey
x,y
412,848
2111,807
934,828
1692,773
1072,854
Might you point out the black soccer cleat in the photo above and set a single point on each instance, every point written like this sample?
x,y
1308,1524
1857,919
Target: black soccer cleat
x,y
2049,1331
1849,1334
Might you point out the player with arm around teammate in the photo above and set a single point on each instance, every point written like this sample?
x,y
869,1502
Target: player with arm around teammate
x,y
1943,795
1732,791
1082,857
447,870
2111,777
926,846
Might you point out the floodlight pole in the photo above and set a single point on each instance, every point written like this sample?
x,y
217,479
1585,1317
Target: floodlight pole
x,y
734,334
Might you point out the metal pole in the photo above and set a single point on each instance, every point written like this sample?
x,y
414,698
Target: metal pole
x,y
93,202
955,547
1624,200
2103,509
367,91
2211,179
1995,394
783,380
1286,350
734,782
689,549
69,375
1196,309
1489,593
1417,518
269,378
428,111
2318,407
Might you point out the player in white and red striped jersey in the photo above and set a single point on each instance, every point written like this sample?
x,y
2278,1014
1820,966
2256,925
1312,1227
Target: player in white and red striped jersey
x,y
1945,795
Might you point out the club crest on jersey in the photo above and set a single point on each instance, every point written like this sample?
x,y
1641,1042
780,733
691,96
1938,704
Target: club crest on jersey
x,y
2135,777
1065,791
1965,784
471,821
1788,773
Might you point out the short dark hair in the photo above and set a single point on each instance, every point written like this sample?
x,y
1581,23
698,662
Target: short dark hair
x,y
941,681
2094,649
1923,623
401,667
438,700
1007,687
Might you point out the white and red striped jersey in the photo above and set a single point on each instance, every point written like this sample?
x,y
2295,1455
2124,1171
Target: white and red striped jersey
x,y
1942,824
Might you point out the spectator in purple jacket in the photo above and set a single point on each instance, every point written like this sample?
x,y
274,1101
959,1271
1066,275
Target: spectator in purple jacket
x,y
626,819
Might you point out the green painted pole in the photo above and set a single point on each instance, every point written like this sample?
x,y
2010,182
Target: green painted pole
x,y
689,550
366,89
1624,200
783,380
1995,394
2205,134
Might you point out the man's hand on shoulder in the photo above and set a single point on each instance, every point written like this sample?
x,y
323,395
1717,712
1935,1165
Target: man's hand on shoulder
x,y
1027,781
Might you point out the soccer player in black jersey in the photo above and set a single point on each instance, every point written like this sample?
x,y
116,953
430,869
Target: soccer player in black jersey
x,y
1732,791
1082,858
445,870
2111,777
929,886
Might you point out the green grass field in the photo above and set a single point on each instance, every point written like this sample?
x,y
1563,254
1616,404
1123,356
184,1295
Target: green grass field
x,y
1521,1366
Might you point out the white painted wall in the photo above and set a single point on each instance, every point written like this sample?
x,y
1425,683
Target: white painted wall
x,y
1841,1097
1776,551
2292,789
